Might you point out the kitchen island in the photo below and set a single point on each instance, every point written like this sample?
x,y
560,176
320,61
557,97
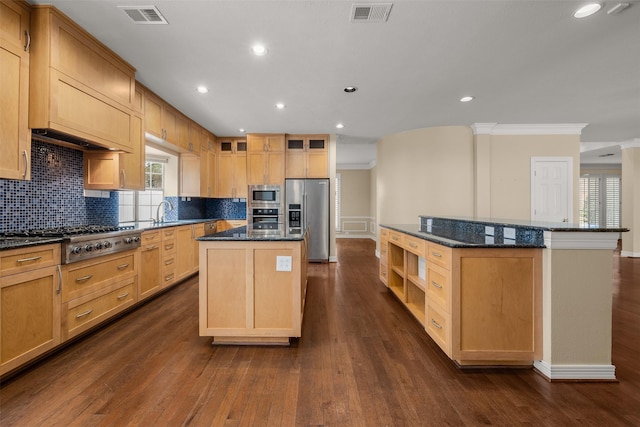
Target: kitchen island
x,y
492,291
252,287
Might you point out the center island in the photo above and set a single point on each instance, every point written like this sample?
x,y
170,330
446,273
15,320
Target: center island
x,y
252,286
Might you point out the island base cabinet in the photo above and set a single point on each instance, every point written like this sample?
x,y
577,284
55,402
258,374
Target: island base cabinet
x,y
251,292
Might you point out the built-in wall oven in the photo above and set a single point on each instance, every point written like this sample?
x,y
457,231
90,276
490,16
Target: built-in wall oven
x,y
265,209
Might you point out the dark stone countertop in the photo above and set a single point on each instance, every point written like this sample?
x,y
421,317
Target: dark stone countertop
x,y
240,234
24,242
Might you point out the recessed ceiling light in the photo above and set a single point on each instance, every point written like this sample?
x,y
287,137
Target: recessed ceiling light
x,y
587,10
339,125
466,98
202,89
241,130
350,89
280,105
259,50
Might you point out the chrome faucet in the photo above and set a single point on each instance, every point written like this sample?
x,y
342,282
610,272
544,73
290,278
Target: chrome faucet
x,y
160,219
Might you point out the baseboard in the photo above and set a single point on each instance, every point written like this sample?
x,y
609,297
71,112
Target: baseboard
x,y
629,254
333,259
356,236
584,373
377,254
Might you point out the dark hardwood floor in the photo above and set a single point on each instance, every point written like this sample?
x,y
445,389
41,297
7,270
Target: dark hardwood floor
x,y
362,361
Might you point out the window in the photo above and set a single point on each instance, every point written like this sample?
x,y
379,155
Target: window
x,y
141,205
338,192
600,200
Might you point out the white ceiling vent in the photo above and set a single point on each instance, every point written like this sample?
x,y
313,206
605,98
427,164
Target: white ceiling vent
x,y
144,14
370,12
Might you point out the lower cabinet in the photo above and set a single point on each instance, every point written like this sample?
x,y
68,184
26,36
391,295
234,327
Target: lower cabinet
x,y
150,280
169,257
228,224
96,289
482,306
29,304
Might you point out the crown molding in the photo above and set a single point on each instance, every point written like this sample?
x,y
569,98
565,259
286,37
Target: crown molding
x,y
632,143
528,129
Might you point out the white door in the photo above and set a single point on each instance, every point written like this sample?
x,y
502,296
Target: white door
x,y
551,189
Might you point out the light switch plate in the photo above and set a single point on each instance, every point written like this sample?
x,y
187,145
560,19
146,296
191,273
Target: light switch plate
x,y
283,263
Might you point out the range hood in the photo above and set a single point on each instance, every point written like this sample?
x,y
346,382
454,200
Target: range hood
x,y
66,140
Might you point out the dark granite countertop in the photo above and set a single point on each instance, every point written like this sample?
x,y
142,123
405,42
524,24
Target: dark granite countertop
x,y
148,225
414,230
240,234
23,242
540,225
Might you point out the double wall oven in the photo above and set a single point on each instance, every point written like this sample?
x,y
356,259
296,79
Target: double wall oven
x,y
265,209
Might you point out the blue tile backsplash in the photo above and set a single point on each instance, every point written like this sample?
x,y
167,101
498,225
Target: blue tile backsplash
x,y
54,197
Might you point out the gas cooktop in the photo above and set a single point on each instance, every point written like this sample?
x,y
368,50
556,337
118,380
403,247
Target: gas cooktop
x,y
66,231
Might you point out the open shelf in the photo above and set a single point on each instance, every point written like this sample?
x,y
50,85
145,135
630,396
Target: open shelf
x,y
396,284
416,301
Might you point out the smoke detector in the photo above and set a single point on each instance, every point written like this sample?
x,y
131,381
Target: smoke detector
x,y
144,14
370,12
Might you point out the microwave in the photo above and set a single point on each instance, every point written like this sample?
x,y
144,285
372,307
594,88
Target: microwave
x,y
261,196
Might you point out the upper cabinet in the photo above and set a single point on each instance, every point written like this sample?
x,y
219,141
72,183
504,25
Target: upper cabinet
x,y
307,156
164,125
104,170
15,135
78,86
231,173
265,159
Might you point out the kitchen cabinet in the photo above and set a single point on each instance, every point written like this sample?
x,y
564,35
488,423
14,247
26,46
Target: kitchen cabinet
x,y
307,156
29,304
187,249
189,170
164,124
482,306
208,158
231,173
197,169
245,297
78,86
96,289
150,280
228,224
265,159
169,256
15,135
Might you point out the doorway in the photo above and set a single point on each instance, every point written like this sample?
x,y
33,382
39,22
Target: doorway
x,y
552,189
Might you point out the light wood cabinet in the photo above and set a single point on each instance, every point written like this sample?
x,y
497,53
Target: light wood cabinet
x,y
163,124
307,156
150,280
197,169
189,181
77,85
208,164
96,289
228,224
169,256
15,135
482,306
265,159
29,304
185,237
231,173
244,297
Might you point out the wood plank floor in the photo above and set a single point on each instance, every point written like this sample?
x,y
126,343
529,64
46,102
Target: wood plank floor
x,y
362,361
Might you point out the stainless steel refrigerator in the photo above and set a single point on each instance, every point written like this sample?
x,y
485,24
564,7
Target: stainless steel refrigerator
x,y
307,206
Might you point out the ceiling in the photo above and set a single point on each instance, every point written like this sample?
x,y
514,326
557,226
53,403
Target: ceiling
x,y
524,61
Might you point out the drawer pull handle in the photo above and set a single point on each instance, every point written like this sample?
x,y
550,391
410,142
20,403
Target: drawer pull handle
x,y
168,262
169,277
436,254
168,247
436,284
35,258
151,247
123,296
413,245
123,266
394,238
83,278
86,313
168,233
436,324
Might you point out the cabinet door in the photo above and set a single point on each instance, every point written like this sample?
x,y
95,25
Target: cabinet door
x,y
317,166
30,309
275,142
225,175
184,252
150,280
198,231
295,164
240,175
189,175
101,171
256,167
153,116
275,168
15,135
132,164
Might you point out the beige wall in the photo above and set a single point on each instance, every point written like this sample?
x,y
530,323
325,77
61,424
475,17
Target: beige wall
x,y
424,171
511,170
355,209
631,200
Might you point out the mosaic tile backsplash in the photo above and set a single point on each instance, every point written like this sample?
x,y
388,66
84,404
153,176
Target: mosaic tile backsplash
x,y
54,197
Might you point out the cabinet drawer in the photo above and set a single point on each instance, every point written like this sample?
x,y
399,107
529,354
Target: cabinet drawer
x,y
149,237
89,276
396,238
168,233
25,259
439,254
168,277
82,315
415,245
384,235
168,247
169,262
438,326
439,286
383,273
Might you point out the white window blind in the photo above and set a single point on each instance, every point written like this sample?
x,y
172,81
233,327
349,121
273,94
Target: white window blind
x,y
599,200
